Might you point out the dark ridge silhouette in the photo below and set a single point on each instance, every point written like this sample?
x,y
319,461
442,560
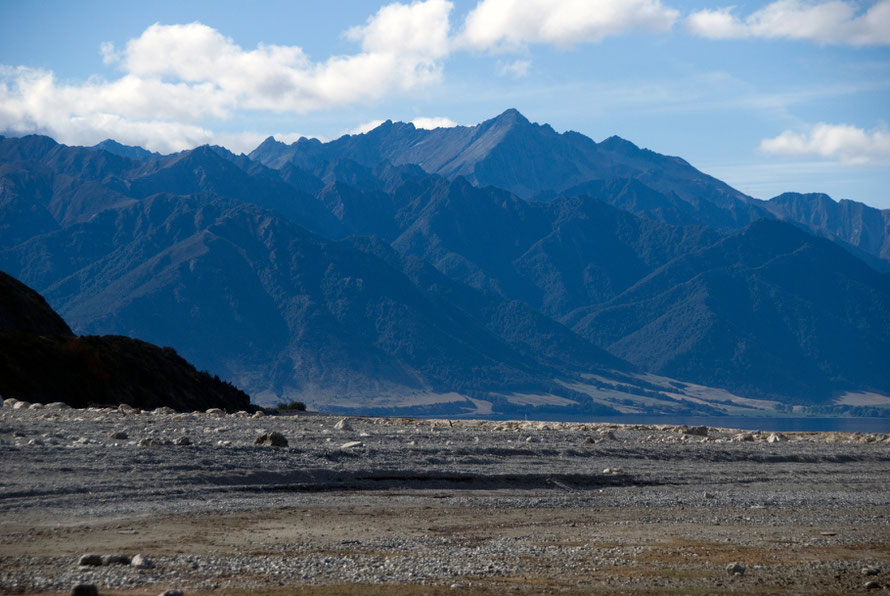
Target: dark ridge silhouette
x,y
41,360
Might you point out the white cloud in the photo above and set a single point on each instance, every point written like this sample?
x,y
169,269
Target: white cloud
x,y
434,122
176,78
511,24
834,22
421,122
848,144
364,127
517,69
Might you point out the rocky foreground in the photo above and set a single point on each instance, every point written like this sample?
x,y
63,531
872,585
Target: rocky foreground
x,y
144,502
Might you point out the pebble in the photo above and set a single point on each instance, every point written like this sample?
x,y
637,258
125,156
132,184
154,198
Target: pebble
x,y
90,560
275,439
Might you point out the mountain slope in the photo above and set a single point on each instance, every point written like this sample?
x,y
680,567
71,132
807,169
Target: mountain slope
x,y
770,311
243,291
864,230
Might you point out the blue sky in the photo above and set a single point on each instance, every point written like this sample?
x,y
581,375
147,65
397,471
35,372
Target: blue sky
x,y
768,96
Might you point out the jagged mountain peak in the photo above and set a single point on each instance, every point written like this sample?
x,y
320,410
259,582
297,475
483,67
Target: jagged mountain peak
x,y
128,151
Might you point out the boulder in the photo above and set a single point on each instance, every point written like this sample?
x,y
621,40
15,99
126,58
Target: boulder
x,y
343,424
117,560
85,590
735,569
142,562
90,560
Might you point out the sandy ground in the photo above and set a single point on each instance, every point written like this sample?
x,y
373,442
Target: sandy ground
x,y
388,506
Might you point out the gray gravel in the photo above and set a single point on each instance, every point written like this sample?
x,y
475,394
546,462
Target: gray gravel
x,y
580,501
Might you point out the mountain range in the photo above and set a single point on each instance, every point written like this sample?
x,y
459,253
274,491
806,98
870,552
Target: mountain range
x,y
443,269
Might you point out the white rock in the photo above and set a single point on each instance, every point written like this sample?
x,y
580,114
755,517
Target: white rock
x,y
775,438
215,412
35,407
343,424
351,444
19,405
142,562
258,414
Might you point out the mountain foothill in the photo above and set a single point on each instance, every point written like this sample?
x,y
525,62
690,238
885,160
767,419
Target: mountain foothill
x,y
448,271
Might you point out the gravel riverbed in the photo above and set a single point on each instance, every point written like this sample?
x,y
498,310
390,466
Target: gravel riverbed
x,y
403,506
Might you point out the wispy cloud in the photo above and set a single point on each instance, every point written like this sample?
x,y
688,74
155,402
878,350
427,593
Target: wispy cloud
x,y
517,69
845,143
833,22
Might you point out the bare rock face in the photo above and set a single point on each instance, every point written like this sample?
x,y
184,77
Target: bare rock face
x,y
274,439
